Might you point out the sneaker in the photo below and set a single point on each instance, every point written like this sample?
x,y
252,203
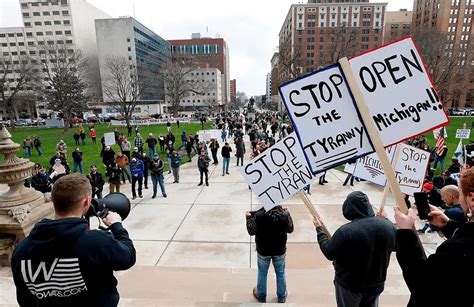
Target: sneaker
x,y
420,230
164,195
254,292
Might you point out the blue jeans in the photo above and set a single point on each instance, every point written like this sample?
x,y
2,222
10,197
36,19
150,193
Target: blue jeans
x,y
40,151
263,263
225,165
76,165
27,152
151,152
441,162
158,179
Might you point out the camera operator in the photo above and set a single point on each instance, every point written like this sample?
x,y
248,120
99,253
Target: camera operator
x,y
62,263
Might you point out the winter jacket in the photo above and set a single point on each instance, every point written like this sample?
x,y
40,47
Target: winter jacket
x,y
225,151
114,174
456,213
138,142
108,157
214,146
125,146
360,249
203,162
37,143
77,156
175,161
156,167
97,182
136,168
239,147
40,182
62,263
449,266
270,229
151,141
122,161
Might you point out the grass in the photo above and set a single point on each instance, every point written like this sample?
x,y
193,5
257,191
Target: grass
x,y
91,152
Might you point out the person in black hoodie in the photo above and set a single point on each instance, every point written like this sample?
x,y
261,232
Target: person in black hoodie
x,y
62,262
270,229
452,263
360,251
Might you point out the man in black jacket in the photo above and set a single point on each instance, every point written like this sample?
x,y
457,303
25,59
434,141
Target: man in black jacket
x,y
62,263
360,250
451,265
270,229
97,182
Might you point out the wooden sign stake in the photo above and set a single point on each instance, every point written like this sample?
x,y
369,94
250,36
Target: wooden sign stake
x,y
373,134
311,210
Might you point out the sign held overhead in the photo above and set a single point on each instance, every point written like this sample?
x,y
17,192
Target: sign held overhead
x,y
327,123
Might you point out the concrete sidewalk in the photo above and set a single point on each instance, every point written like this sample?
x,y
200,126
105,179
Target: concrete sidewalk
x,y
202,229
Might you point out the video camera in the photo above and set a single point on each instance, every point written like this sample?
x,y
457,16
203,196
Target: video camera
x,y
115,202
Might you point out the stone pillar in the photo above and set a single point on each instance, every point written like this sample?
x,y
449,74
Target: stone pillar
x,y
20,207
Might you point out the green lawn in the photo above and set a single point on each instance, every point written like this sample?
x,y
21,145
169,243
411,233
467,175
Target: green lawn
x,y
91,152
451,141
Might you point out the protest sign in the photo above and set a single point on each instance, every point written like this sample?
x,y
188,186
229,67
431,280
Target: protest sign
x,y
370,168
463,133
398,91
438,131
109,138
278,173
410,168
325,118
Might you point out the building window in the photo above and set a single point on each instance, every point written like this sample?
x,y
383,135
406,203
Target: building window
x,y
63,2
36,14
47,23
45,13
65,13
128,39
31,43
59,32
129,49
55,13
26,14
67,32
21,44
69,41
57,22
66,22
37,23
49,32
27,24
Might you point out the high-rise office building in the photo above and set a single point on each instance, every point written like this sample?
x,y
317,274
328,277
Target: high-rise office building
x,y
68,23
207,52
318,33
397,25
452,19
143,50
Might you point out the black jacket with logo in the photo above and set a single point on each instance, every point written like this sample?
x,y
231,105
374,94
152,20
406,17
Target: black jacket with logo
x,y
62,263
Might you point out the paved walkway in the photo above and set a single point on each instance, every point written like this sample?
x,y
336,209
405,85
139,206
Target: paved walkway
x,y
193,247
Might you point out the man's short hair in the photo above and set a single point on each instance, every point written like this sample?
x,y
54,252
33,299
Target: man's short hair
x,y
452,190
466,184
69,191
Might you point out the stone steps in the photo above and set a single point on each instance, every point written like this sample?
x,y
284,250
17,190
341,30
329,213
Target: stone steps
x,y
166,286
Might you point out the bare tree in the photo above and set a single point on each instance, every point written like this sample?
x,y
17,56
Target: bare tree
x,y
290,60
19,76
122,85
65,80
178,83
344,42
445,60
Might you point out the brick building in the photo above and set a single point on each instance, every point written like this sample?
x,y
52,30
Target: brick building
x,y
397,25
233,88
318,33
210,52
453,18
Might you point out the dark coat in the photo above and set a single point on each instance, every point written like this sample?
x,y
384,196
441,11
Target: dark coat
x,y
360,249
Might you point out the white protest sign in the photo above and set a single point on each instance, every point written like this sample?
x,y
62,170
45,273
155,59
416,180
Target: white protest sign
x,y
278,173
410,168
463,133
398,91
109,138
215,133
370,168
326,121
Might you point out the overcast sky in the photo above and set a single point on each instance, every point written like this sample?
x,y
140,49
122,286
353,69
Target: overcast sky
x,y
250,27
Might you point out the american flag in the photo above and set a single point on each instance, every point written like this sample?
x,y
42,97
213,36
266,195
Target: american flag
x,y
440,142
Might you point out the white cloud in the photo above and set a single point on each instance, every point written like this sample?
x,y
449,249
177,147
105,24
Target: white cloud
x,y
250,27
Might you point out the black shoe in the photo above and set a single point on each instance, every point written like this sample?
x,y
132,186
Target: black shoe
x,y
325,181
164,195
200,184
154,196
141,196
134,197
207,183
321,183
228,173
146,188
